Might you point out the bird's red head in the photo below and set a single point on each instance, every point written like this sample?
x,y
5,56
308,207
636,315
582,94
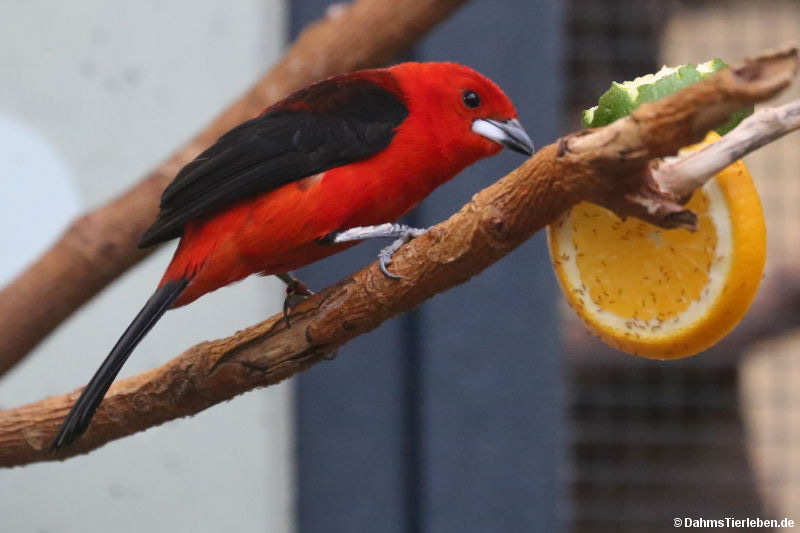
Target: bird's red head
x,y
467,113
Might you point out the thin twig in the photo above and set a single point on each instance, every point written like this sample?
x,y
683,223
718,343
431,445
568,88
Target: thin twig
x,y
589,165
682,174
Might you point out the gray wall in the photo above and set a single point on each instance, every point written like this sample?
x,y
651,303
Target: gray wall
x,y
93,94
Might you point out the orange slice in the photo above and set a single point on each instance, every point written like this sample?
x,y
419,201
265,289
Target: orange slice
x,y
658,293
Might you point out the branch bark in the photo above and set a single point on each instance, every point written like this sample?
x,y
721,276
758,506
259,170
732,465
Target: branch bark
x,y
101,245
597,165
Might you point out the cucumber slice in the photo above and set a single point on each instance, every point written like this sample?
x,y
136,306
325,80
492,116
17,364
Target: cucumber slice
x,y
622,98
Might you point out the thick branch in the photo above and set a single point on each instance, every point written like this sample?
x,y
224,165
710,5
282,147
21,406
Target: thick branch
x,y
102,244
588,165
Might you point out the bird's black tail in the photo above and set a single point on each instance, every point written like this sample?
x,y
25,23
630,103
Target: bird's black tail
x,y
81,414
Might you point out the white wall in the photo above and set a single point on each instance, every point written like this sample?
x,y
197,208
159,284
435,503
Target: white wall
x,y
93,93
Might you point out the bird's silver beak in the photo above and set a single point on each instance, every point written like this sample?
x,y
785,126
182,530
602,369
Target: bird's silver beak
x,y
509,133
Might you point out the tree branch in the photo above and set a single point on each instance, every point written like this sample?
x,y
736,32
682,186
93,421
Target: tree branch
x,y
595,165
681,175
101,245
656,192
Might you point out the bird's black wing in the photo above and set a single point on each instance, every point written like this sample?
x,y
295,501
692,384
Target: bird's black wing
x,y
329,124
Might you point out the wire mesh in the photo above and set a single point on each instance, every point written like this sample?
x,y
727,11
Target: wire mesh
x,y
712,436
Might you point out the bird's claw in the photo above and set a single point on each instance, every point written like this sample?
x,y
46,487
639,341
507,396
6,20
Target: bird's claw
x,y
296,292
384,260
385,255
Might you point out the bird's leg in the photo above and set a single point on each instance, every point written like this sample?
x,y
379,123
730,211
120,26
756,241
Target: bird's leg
x,y
400,232
296,291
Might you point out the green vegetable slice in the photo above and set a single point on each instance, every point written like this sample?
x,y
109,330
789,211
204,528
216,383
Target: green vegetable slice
x,y
622,98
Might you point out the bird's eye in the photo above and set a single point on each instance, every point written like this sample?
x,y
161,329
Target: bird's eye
x,y
471,99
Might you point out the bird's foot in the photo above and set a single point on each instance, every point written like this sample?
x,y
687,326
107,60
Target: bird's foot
x,y
296,292
385,255
400,232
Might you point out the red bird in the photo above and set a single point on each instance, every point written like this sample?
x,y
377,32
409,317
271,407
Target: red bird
x,y
332,164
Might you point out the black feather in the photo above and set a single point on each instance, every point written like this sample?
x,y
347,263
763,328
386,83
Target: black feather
x,y
81,413
329,124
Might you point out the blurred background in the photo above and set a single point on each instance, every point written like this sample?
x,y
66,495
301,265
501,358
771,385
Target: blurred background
x,y
487,409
